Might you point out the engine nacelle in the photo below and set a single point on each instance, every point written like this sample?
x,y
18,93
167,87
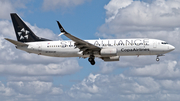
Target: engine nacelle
x,y
113,58
108,52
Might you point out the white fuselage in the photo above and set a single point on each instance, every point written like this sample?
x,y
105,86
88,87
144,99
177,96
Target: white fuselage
x,y
124,47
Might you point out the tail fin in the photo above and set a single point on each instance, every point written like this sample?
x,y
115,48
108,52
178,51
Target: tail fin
x,y
23,32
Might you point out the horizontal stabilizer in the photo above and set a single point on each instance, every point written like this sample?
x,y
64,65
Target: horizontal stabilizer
x,y
16,42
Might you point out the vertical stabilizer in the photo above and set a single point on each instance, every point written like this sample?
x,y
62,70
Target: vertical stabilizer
x,y
23,32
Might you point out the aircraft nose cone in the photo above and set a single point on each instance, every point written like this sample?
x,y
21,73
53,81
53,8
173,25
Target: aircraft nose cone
x,y
171,48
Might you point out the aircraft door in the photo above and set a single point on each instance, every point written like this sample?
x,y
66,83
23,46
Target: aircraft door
x,y
154,44
39,47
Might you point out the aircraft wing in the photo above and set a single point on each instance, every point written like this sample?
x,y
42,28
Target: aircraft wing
x,y
16,42
81,44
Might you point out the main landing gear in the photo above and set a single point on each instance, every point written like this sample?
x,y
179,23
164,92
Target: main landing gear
x,y
91,59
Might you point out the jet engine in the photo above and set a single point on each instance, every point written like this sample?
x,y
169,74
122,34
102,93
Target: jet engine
x,y
113,58
108,52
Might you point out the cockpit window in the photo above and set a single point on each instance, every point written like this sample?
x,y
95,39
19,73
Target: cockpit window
x,y
164,43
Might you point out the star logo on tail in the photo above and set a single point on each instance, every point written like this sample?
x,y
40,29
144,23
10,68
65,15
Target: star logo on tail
x,y
23,34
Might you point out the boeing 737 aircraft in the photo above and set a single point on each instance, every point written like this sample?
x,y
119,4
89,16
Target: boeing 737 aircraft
x,y
106,49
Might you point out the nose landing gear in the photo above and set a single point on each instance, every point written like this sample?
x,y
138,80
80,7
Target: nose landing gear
x,y
91,59
157,59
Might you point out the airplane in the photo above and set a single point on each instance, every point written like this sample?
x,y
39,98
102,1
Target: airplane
x,y
105,49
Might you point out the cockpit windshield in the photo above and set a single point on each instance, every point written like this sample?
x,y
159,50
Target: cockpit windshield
x,y
164,43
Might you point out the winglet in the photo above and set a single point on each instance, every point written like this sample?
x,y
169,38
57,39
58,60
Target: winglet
x,y
61,28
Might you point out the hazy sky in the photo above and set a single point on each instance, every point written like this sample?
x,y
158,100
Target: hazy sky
x,y
30,77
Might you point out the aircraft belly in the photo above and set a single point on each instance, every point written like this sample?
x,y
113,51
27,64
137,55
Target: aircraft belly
x,y
132,53
157,52
68,52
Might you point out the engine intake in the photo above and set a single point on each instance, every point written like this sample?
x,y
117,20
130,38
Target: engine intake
x,y
108,52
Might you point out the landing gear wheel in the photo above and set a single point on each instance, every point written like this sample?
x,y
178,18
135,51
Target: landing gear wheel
x,y
157,59
91,60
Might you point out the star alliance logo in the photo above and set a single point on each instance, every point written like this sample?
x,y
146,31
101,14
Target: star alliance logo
x,y
23,34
